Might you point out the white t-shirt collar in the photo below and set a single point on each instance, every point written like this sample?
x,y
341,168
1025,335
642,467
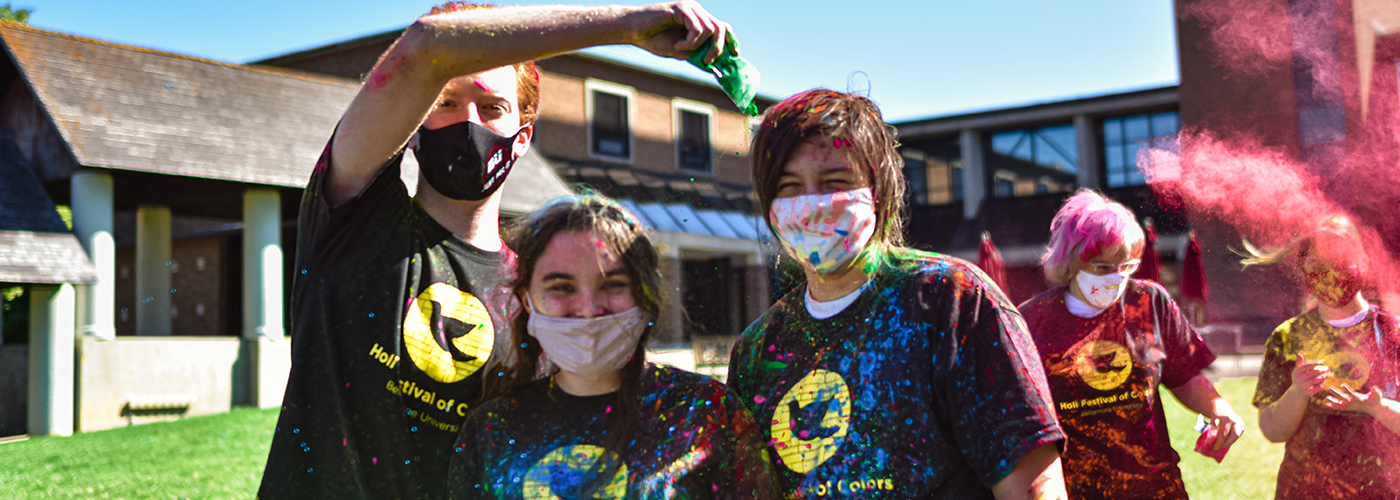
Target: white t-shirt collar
x,y
824,310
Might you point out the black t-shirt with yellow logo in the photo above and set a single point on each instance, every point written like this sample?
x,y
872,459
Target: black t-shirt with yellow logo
x,y
693,440
393,318
927,386
1106,374
1336,454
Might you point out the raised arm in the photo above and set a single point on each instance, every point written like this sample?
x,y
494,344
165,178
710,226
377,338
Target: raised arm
x,y
405,83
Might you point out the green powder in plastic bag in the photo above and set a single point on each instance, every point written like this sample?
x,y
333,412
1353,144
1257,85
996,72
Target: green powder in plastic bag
x,y
736,77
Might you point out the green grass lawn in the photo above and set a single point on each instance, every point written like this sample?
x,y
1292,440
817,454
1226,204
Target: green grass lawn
x,y
207,457
222,456
1251,467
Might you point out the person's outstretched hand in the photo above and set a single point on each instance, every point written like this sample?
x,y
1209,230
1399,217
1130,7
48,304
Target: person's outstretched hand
x,y
1346,399
676,29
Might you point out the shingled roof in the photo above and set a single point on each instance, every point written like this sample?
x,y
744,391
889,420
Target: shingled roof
x,y
35,245
131,108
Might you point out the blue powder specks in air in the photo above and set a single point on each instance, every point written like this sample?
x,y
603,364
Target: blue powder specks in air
x,y
308,470
371,315
296,431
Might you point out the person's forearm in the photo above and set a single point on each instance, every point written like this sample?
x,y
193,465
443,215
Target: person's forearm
x,y
1038,476
1200,396
405,83
1279,420
464,42
1388,414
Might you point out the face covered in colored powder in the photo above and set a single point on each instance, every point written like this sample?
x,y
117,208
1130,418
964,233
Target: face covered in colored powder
x,y
824,209
472,137
1334,271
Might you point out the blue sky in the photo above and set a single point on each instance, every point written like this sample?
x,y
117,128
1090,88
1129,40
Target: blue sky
x,y
922,57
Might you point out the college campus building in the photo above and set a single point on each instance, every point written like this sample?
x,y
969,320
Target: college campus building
x,y
164,290
1318,92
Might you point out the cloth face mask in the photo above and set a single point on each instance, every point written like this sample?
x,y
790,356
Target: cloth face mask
x,y
464,161
825,230
1334,285
590,347
1101,291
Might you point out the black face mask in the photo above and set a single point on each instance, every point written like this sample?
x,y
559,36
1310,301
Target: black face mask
x,y
464,161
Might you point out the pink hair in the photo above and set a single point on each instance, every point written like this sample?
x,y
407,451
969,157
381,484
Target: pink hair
x,y
1085,226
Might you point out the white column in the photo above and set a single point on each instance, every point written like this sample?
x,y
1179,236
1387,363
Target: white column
x,y
92,194
152,270
1087,148
262,264
974,175
51,327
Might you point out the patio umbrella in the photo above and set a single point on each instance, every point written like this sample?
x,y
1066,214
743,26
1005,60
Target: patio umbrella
x,y
1194,289
1151,267
989,259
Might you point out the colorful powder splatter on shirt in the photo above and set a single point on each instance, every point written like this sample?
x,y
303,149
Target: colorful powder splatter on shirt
x,y
694,440
393,320
1106,374
1333,454
927,386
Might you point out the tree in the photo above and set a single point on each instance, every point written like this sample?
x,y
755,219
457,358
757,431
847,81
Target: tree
x,y
8,13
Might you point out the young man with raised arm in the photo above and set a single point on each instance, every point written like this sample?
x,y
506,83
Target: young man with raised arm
x,y
400,302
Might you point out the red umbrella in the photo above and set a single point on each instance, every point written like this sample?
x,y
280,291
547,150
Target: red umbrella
x,y
1193,273
989,259
1151,267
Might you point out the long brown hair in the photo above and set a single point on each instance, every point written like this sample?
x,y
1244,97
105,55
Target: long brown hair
x,y
625,236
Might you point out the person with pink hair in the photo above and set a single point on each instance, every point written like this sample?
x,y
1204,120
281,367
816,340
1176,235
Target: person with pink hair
x,y
1107,342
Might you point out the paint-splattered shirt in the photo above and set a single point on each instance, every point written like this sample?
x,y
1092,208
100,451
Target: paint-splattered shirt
x,y
693,440
1336,454
393,317
1106,373
927,386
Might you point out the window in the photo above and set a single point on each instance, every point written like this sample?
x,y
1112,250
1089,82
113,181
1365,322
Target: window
x,y
1048,147
693,125
1124,138
957,181
1005,184
933,171
916,175
609,121
1034,161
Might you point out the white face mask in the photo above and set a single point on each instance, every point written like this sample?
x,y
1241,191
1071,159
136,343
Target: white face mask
x,y
590,347
826,231
1101,291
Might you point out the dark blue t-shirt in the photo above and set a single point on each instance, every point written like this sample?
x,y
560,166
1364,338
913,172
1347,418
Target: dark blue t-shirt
x,y
692,440
927,386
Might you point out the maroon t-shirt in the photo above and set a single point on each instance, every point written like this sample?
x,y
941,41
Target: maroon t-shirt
x,y
1104,374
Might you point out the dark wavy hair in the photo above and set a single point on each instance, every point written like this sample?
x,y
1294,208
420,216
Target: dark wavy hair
x,y
624,235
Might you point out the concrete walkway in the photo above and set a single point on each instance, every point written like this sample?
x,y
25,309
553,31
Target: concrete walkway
x,y
1235,365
